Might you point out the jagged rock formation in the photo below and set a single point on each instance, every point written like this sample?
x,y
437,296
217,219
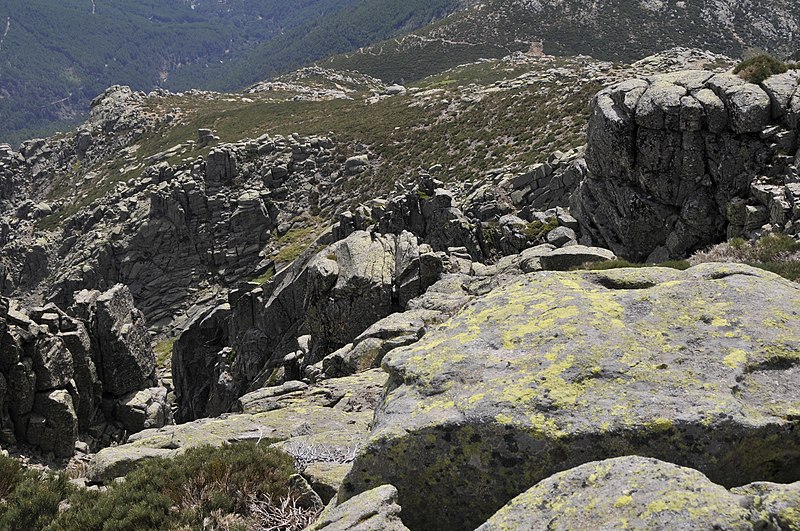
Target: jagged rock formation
x,y
332,299
643,493
501,373
552,370
64,376
314,318
167,233
549,184
678,161
176,235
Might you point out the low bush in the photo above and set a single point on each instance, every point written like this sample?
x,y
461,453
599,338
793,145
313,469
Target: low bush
x,y
223,486
28,499
758,68
777,253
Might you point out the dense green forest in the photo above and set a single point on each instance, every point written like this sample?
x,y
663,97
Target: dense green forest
x,y
56,55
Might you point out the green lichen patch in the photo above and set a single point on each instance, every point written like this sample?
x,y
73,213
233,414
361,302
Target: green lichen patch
x,y
556,369
625,493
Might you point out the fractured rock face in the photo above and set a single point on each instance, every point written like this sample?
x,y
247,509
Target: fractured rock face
x,y
333,297
554,370
126,359
644,493
56,370
56,430
668,154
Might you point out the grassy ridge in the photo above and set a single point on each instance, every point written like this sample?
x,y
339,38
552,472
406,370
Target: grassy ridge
x,y
617,30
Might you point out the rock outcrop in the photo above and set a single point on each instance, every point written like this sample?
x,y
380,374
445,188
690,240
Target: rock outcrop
x,y
331,298
67,376
678,161
553,370
328,314
323,424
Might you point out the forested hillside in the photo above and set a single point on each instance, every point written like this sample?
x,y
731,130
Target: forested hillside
x,y
619,30
57,55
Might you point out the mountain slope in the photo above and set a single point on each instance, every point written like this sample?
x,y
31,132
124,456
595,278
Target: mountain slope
x,y
611,30
56,56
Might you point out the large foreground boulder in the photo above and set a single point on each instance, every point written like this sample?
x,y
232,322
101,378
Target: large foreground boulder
x,y
644,493
553,370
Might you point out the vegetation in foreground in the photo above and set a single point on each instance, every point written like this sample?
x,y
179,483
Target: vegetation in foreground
x,y
239,486
777,253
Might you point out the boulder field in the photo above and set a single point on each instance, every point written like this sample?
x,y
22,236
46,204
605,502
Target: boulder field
x,y
650,398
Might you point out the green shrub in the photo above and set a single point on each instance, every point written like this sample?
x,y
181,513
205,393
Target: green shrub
x,y
760,67
168,493
788,270
32,501
11,474
536,231
773,247
220,483
777,253
163,350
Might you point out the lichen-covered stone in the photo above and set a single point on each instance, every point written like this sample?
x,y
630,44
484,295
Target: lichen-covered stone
x,y
628,493
779,504
554,370
335,413
374,510
326,477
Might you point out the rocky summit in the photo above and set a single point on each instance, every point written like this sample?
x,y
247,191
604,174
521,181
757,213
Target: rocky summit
x,y
447,281
680,160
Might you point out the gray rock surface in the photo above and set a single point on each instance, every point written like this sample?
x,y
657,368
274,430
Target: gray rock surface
x,y
56,430
374,510
326,422
126,361
368,349
51,390
643,493
140,410
553,370
667,156
332,296
573,256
